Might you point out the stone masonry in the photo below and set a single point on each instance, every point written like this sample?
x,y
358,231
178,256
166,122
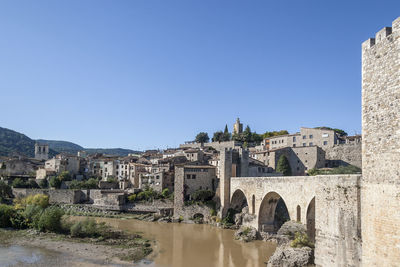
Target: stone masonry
x,y
380,193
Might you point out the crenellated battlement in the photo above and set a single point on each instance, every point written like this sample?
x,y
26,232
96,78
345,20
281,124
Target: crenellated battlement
x,y
382,34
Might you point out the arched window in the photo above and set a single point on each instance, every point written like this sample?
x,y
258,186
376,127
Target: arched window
x,y
253,204
298,213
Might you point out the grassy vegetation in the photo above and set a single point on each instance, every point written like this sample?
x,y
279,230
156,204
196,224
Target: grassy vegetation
x,y
149,194
349,169
301,240
34,212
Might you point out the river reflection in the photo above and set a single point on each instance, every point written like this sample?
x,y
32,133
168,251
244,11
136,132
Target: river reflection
x,y
192,245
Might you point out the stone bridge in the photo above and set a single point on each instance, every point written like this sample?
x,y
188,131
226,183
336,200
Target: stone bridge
x,y
329,206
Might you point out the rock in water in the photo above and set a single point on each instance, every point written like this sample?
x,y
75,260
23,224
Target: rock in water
x,y
246,234
289,228
291,257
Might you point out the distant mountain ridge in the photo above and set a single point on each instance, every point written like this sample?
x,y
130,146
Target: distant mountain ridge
x,y
15,143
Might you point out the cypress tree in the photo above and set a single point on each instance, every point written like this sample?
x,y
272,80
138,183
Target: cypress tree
x,y
284,166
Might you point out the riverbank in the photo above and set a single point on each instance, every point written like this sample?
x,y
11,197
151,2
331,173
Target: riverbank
x,y
110,252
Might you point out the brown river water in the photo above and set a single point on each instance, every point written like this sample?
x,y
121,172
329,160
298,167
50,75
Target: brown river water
x,y
177,245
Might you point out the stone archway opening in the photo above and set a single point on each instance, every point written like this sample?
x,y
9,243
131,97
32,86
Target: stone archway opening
x,y
311,220
273,213
198,218
238,201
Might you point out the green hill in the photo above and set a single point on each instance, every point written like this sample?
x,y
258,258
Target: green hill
x,y
15,143
62,146
12,142
111,151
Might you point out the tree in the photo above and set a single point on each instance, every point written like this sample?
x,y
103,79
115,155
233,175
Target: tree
x,y
274,133
202,137
247,134
226,136
256,138
5,190
43,183
18,183
32,184
55,182
64,176
218,136
284,166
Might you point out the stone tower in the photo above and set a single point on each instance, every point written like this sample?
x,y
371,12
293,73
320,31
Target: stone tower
x,y
237,127
225,158
380,190
41,151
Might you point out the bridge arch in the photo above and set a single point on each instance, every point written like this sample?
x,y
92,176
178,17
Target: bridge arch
x,y
238,200
273,213
311,220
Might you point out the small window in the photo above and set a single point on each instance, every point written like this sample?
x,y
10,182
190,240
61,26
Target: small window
x,y
325,143
304,137
294,138
188,176
311,144
294,145
304,144
311,136
194,176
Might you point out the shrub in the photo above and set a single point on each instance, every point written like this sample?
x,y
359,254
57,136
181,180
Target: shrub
x,y
349,169
165,193
89,228
6,212
64,176
43,183
18,221
202,195
230,217
111,179
89,184
18,183
32,184
301,240
141,196
50,220
86,228
38,200
32,214
213,212
92,183
54,182
5,190
132,198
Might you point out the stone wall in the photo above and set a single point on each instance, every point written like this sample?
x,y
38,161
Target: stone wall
x,y
338,221
380,195
62,196
108,185
108,199
156,206
344,154
188,212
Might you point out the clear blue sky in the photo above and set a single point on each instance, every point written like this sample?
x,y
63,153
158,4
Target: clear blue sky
x,y
153,73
